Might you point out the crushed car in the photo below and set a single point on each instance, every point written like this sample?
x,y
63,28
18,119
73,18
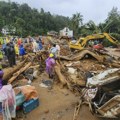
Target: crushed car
x,y
103,93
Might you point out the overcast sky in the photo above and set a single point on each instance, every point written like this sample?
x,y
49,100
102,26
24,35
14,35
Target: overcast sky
x,y
96,10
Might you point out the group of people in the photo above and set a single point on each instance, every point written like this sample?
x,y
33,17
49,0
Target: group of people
x,y
95,44
36,43
12,48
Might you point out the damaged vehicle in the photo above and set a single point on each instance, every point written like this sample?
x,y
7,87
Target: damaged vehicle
x,y
104,93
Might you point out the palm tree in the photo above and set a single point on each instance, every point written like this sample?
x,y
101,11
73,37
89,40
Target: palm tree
x,y
76,23
92,27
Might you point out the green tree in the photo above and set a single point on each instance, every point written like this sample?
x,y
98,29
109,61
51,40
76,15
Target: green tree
x,y
30,21
113,21
89,28
76,23
1,24
19,24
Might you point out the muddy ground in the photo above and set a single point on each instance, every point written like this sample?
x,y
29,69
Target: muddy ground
x,y
57,104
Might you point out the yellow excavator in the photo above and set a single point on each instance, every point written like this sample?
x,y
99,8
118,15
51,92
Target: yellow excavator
x,y
83,42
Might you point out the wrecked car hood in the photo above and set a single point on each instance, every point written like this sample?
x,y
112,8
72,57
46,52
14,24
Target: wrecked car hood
x,y
104,77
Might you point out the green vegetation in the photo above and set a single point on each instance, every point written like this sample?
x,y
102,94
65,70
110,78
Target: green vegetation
x,y
27,21
111,25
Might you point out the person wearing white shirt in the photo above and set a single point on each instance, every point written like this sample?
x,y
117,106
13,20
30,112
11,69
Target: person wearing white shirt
x,y
58,50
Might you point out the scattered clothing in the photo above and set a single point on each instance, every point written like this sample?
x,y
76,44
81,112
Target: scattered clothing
x,y
28,91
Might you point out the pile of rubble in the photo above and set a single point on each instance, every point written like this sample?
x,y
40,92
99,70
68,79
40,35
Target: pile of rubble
x,y
86,72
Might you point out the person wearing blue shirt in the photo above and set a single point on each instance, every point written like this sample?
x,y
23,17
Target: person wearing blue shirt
x,y
21,50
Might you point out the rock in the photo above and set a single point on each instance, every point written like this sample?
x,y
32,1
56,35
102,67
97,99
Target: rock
x,y
35,74
103,66
71,70
59,116
29,82
46,111
29,77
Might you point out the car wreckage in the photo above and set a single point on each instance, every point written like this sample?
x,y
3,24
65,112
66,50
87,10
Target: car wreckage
x,y
104,93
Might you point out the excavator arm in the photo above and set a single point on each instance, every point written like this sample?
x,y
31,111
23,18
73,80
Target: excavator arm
x,y
91,37
110,38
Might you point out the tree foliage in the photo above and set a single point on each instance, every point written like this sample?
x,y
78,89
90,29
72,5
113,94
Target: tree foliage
x,y
112,23
76,23
28,21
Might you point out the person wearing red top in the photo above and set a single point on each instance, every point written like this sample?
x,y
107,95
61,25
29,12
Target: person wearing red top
x,y
98,46
19,42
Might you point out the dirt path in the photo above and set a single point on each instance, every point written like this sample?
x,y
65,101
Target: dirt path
x,y
55,104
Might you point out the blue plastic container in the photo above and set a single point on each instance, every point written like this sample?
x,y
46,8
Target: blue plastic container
x,y
30,105
20,99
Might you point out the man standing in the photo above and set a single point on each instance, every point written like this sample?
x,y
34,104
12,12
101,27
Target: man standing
x,y
13,53
58,50
40,43
10,53
35,46
54,50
